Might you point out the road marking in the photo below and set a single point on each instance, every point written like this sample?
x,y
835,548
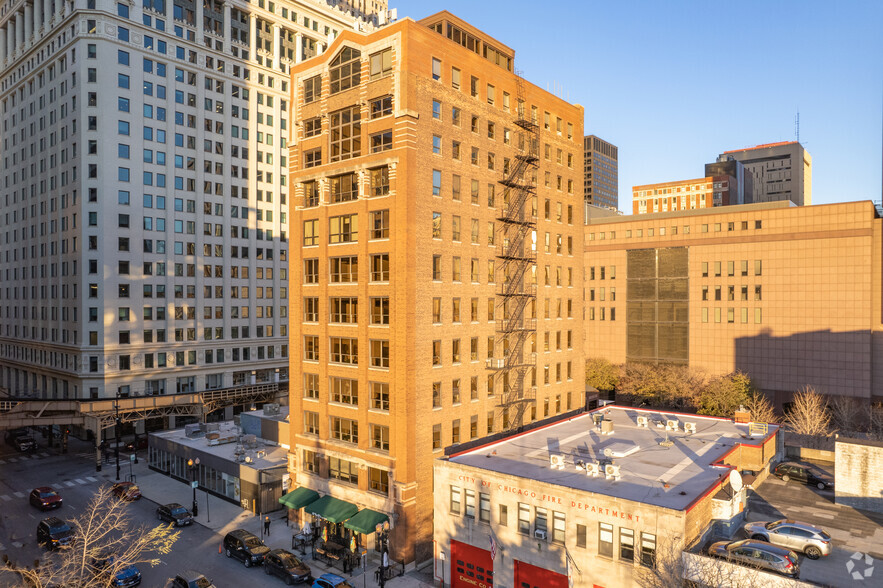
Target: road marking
x,y
69,484
6,497
91,479
80,481
19,494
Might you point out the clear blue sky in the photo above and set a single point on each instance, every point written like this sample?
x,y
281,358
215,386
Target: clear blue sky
x,y
673,83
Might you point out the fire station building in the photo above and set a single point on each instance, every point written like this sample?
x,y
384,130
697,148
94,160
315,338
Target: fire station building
x,y
586,500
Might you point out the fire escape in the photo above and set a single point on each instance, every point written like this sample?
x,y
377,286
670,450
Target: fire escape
x,y
517,256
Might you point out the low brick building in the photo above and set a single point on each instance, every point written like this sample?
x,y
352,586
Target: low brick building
x,y
530,509
859,473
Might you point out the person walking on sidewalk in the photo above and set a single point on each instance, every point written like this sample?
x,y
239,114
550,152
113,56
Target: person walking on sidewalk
x,y
267,525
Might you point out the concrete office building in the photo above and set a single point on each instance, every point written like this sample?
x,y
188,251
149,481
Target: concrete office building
x,y
436,279
790,295
143,210
780,171
685,195
587,503
601,166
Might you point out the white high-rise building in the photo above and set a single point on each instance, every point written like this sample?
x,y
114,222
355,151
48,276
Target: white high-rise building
x,y
144,194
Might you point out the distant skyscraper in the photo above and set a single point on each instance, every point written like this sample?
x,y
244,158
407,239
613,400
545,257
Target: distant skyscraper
x,y
601,172
781,171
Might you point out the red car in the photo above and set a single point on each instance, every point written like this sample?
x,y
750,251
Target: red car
x,y
126,491
45,498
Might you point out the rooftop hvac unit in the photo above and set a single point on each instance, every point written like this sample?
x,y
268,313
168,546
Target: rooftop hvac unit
x,y
643,421
606,427
671,425
271,408
540,534
612,471
690,428
557,461
593,469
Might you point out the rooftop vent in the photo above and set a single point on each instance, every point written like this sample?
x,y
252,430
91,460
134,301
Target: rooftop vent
x,y
689,428
606,427
612,472
671,425
643,421
557,461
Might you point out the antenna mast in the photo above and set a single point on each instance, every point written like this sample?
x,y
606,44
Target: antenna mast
x,y
797,126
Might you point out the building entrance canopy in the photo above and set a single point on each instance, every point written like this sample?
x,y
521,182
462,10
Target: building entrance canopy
x,y
299,498
366,521
332,509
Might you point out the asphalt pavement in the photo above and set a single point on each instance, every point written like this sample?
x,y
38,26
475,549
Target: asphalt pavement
x,y
73,475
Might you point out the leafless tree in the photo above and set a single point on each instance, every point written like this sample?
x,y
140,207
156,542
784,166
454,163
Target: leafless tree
x,y
809,413
104,530
761,409
846,414
875,421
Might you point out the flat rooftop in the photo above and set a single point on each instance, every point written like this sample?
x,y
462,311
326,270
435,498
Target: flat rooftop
x,y
264,457
687,465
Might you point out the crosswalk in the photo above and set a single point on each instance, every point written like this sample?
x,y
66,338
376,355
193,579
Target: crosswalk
x,y
25,457
4,498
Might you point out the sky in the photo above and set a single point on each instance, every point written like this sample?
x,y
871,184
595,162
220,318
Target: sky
x,y
674,83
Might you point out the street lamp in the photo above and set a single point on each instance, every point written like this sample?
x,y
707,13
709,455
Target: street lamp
x,y
193,465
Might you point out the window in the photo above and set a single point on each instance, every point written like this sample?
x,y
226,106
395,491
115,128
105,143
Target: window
x,y
455,500
312,89
311,271
343,310
380,267
343,229
436,439
378,480
381,141
436,225
558,527
380,181
313,157
344,188
379,227
523,518
436,353
484,507
470,503
648,550
311,232
379,395
311,310
311,386
343,470
312,127
346,133
344,350
380,311
436,144
381,64
343,269
311,348
344,430
436,109
436,69
626,544
345,390
504,516
605,539
311,422
345,70
379,354
381,106
581,536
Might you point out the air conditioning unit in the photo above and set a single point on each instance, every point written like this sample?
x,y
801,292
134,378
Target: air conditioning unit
x,y
271,408
671,425
606,427
593,469
690,428
557,461
540,534
612,471
643,421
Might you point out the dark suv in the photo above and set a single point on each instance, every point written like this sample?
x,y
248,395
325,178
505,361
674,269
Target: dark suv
x,y
174,513
54,533
805,474
245,547
21,440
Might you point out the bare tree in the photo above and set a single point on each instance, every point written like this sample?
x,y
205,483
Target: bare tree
x,y
761,409
103,531
875,421
809,413
845,414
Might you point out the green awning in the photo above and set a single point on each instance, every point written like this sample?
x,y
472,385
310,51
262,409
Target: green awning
x,y
299,498
332,509
366,521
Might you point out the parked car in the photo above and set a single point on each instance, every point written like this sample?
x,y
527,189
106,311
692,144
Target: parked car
x,y
21,439
118,576
804,473
53,533
45,498
245,547
140,443
174,513
758,554
191,579
811,540
126,491
287,566
330,581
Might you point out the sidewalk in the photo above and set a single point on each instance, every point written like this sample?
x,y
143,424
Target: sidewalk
x,y
222,517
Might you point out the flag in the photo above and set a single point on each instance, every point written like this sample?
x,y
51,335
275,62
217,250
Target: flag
x,y
493,547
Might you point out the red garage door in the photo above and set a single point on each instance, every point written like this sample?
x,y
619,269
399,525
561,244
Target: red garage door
x,y
471,567
528,576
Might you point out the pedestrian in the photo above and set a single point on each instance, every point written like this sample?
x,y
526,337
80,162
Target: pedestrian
x,y
267,525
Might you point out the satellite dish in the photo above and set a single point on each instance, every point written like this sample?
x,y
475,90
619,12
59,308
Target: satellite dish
x,y
736,480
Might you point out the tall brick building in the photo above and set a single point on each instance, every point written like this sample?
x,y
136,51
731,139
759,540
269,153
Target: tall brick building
x,y
414,179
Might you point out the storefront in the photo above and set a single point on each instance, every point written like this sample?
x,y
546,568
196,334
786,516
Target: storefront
x,y
586,502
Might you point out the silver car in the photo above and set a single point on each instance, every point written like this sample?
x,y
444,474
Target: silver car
x,y
758,554
809,539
